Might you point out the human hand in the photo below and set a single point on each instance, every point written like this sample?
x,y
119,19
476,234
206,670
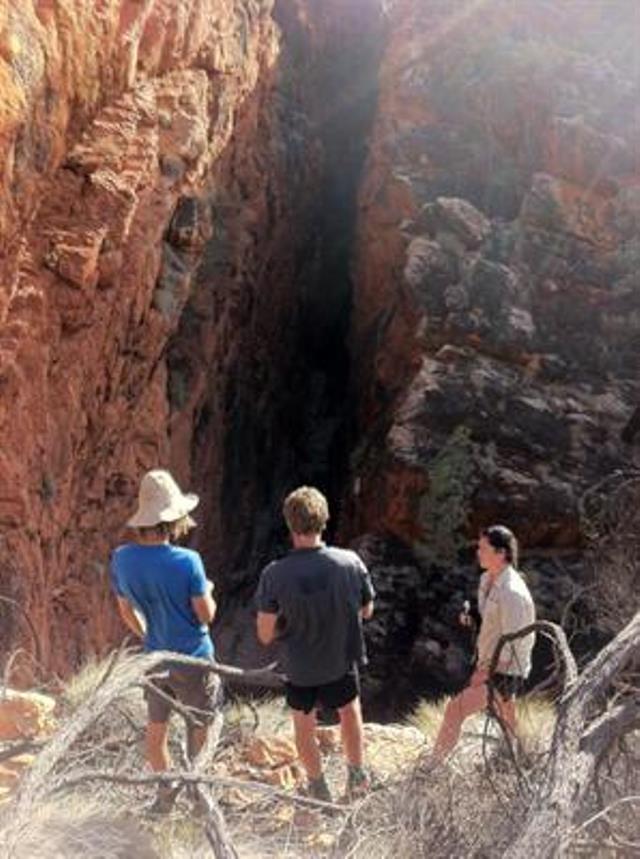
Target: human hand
x,y
464,618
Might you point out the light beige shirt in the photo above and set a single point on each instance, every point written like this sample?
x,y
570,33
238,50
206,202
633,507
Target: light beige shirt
x,y
506,606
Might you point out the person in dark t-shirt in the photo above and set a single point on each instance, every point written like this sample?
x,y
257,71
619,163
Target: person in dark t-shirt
x,y
313,602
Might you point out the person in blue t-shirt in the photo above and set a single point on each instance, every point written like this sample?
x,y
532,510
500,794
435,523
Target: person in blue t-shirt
x,y
165,599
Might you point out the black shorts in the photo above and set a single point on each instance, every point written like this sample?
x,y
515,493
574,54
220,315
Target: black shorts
x,y
332,695
507,685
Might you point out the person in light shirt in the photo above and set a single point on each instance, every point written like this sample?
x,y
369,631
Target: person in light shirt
x,y
506,606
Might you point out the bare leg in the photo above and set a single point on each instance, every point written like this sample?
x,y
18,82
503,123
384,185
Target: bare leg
x,y
196,738
351,731
304,725
471,700
156,746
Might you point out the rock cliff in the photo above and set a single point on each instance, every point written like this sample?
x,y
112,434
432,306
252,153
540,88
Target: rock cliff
x,y
147,189
388,248
495,326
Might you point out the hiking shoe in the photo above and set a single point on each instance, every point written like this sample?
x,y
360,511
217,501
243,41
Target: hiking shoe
x,y
318,788
201,804
358,783
164,802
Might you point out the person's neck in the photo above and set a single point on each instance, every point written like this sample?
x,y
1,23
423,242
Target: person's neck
x,y
153,541
307,541
496,572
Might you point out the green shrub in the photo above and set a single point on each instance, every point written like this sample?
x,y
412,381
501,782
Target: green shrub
x,y
445,507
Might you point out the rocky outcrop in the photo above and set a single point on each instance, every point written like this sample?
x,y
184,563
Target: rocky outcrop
x,y
496,299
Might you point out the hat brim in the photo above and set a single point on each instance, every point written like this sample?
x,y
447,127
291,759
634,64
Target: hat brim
x,y
146,518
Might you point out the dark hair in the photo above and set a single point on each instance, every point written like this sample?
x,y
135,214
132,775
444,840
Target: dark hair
x,y
501,538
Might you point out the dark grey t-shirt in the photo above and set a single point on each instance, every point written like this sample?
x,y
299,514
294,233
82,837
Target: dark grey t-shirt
x,y
318,594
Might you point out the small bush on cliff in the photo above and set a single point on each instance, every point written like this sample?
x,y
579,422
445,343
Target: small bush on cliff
x,y
445,507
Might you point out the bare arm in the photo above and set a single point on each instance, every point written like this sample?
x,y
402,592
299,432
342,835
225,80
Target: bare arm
x,y
266,627
132,618
204,606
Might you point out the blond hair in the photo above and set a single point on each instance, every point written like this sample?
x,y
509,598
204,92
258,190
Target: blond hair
x,y
173,531
306,511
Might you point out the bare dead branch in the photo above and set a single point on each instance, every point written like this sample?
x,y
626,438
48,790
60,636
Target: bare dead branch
x,y
576,747
556,633
625,800
266,677
600,672
611,726
26,617
196,778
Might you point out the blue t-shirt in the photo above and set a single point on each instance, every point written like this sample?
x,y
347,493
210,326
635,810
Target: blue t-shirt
x,y
160,581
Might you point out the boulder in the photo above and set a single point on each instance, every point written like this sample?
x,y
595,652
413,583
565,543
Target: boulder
x,y
458,217
25,715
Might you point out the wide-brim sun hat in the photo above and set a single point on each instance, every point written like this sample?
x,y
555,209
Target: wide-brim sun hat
x,y
160,499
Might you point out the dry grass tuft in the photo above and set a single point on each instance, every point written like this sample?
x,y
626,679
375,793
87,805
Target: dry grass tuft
x,y
79,828
427,716
536,720
449,812
267,715
84,683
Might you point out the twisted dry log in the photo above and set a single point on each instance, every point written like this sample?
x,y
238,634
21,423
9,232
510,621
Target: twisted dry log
x,y
586,727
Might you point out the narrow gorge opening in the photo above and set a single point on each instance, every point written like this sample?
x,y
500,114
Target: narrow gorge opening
x,y
341,91
265,333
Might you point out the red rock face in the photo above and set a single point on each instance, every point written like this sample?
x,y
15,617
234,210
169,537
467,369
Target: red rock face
x,y
117,120
160,238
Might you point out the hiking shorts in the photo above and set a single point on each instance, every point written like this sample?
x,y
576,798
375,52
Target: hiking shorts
x,y
331,696
507,685
190,685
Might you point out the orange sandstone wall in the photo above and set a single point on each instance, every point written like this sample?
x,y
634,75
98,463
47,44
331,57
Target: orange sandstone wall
x,y
115,119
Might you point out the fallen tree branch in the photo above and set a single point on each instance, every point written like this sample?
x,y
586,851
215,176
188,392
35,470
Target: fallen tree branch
x,y
611,726
600,672
581,736
267,676
189,778
559,639
625,800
